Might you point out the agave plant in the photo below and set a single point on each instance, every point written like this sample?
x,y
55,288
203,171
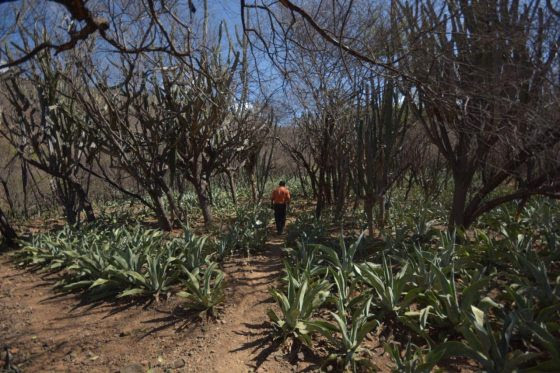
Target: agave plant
x,y
205,289
392,292
303,296
421,262
343,260
548,341
537,280
346,335
305,259
451,304
90,272
307,229
48,251
190,250
249,231
538,325
422,227
43,253
492,350
223,248
346,288
413,359
156,280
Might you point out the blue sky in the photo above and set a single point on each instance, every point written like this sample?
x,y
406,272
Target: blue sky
x,y
226,9
219,10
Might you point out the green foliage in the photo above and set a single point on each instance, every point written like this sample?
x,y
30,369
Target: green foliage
x,y
297,303
248,232
492,350
448,304
341,257
123,262
391,291
205,289
304,258
413,359
191,250
347,332
490,295
306,228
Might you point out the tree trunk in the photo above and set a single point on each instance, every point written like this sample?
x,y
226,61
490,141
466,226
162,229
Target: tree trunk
x,y
6,229
408,187
302,183
70,211
457,214
381,212
208,188
201,189
328,187
321,194
176,213
24,182
158,209
314,188
253,183
66,197
368,209
8,195
340,202
84,203
231,182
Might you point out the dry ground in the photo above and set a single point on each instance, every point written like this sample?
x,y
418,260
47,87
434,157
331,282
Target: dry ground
x,y
48,332
54,333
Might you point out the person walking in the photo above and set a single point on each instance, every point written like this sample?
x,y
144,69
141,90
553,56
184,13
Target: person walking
x,y
280,200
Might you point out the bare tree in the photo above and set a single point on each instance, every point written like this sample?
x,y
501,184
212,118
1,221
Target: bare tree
x,y
133,131
44,126
165,120
482,77
6,229
486,99
154,23
211,130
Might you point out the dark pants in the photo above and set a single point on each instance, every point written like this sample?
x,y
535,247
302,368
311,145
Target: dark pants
x,y
280,217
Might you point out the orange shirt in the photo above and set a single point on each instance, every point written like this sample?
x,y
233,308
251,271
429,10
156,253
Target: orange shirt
x,y
280,195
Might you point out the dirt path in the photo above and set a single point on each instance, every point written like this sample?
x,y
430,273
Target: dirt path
x,y
244,333
52,333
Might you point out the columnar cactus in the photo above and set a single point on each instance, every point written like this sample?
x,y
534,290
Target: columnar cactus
x,y
381,123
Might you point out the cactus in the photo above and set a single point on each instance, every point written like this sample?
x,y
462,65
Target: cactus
x,y
47,130
381,124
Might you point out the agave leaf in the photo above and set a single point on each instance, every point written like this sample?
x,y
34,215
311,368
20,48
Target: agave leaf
x,y
518,358
470,294
77,285
341,323
454,348
478,317
488,302
365,329
272,316
281,299
136,277
99,282
132,293
323,327
545,366
305,338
